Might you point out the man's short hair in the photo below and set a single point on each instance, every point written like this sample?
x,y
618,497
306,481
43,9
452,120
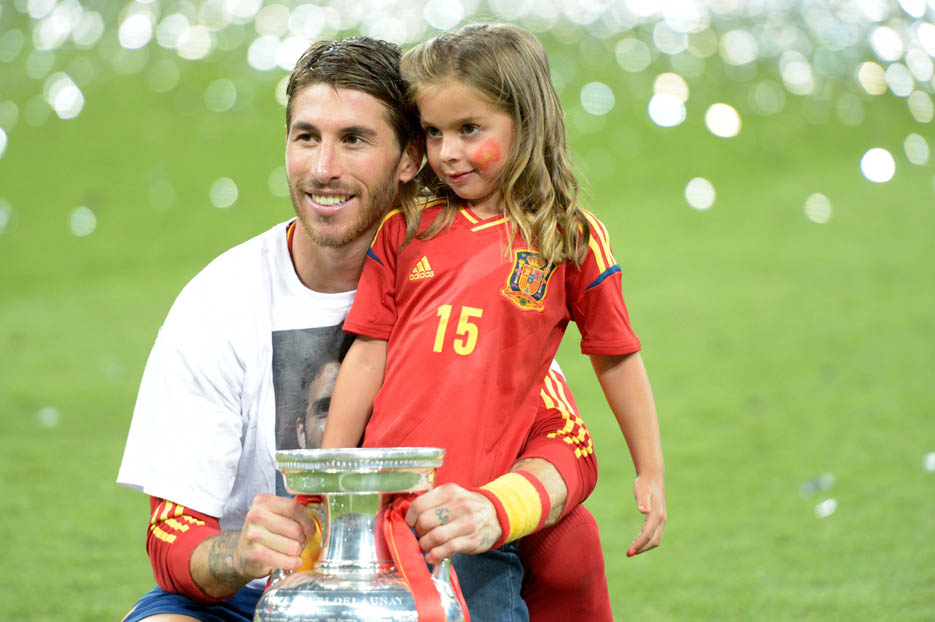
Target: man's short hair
x,y
364,64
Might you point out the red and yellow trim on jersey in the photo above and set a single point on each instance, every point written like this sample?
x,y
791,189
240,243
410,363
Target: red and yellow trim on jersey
x,y
599,243
574,432
476,223
170,517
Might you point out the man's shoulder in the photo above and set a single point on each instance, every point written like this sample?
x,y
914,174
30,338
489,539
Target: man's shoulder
x,y
232,283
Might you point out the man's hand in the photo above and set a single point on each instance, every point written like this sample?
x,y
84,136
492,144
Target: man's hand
x,y
274,533
649,492
450,519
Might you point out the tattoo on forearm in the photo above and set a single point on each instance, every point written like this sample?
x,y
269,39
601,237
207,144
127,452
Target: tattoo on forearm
x,y
442,515
221,562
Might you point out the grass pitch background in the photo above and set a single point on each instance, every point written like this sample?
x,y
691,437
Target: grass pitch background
x,y
779,349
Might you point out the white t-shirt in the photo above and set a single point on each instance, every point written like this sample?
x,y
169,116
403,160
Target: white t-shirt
x,y
227,379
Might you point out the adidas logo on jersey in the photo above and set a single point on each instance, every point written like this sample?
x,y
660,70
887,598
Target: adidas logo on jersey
x,y
422,270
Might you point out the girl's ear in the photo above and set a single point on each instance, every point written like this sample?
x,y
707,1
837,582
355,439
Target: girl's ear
x,y
411,160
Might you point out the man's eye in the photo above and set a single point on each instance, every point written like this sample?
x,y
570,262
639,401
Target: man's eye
x,y
353,139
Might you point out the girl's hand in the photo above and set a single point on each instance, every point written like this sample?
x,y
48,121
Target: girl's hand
x,y
649,492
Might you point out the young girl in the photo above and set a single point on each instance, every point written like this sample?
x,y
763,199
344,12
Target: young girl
x,y
462,303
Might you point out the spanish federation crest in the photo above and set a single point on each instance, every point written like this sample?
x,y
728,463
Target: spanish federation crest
x,y
526,286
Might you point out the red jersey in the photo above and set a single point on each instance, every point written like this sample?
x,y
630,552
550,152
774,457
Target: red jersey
x,y
471,331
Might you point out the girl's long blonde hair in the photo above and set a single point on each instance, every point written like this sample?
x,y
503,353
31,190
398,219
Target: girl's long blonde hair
x,y
508,66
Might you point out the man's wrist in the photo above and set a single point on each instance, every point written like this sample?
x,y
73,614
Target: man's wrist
x,y
521,503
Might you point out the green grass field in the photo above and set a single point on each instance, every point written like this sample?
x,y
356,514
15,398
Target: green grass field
x,y
779,349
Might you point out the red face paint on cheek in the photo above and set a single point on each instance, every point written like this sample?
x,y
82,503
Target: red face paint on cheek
x,y
488,153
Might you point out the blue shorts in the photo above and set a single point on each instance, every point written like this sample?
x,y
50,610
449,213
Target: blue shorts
x,y
238,608
491,583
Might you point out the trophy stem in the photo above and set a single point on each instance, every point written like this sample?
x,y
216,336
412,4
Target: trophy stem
x,y
351,536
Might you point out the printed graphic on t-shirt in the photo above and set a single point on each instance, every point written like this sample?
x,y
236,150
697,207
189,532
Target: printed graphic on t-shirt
x,y
305,366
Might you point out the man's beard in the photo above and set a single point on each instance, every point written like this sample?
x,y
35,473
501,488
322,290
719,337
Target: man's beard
x,y
382,199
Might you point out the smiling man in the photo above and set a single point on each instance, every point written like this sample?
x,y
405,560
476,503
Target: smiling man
x,y
246,342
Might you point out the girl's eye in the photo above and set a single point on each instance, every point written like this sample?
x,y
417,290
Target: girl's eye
x,y
469,128
432,132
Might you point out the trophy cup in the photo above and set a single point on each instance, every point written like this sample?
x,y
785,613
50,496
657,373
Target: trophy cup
x,y
355,578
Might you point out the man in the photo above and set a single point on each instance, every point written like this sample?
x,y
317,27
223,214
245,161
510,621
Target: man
x,y
216,391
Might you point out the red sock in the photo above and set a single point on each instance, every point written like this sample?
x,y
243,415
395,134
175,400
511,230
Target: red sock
x,y
564,578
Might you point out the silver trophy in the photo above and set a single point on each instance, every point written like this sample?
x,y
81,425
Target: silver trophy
x,y
354,579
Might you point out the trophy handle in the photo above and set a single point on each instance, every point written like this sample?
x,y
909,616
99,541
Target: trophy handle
x,y
442,571
276,576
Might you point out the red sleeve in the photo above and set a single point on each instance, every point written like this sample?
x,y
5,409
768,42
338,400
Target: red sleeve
x,y
595,300
174,532
374,311
560,436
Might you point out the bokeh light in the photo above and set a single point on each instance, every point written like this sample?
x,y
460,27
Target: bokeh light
x,y
82,222
163,76
170,30
221,95
921,107
899,80
633,55
699,192
136,31
11,44
818,208
738,47
195,43
223,193
6,215
672,84
666,110
3,142
878,165
886,43
767,97
928,462
917,149
723,120
796,73
272,20
872,78
262,53
48,417
278,183
443,14
63,96
597,99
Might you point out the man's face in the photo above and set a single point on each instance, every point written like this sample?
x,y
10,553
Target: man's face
x,y
311,428
344,163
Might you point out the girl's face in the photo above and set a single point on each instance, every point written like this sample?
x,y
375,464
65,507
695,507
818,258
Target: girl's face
x,y
467,141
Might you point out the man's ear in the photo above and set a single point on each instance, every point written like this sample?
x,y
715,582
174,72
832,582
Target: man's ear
x,y
411,160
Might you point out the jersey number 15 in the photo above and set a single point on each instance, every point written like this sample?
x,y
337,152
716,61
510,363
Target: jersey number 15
x,y
466,333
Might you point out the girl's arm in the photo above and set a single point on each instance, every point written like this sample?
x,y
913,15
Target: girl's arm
x,y
360,378
626,386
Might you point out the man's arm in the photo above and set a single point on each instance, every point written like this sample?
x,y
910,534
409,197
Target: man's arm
x,y
190,554
558,453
